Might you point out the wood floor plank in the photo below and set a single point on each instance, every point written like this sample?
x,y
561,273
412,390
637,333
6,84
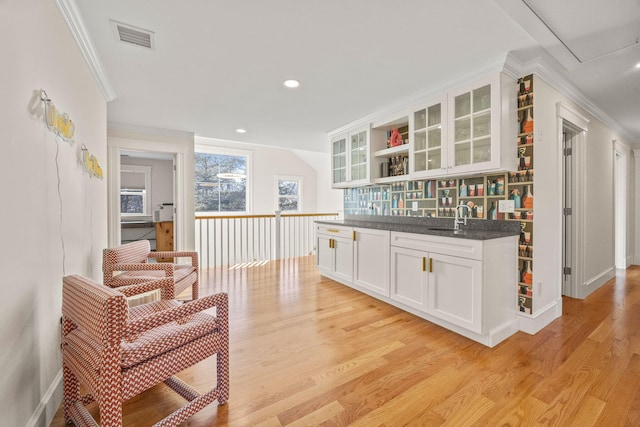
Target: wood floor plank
x,y
308,351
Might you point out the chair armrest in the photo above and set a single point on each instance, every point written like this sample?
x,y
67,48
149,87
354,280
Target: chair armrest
x,y
177,254
219,300
100,310
142,266
166,286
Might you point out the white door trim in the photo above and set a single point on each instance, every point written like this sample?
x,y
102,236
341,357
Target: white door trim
x,y
580,124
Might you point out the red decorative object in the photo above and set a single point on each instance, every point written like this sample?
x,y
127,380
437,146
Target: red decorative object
x,y
395,139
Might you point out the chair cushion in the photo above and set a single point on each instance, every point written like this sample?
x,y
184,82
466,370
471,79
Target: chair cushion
x,y
166,337
180,272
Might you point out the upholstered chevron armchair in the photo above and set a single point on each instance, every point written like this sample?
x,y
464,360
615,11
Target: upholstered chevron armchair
x,y
128,264
115,351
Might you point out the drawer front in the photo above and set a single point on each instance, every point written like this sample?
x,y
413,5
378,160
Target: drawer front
x,y
464,248
335,230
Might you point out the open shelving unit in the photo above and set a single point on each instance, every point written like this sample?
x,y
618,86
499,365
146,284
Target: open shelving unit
x,y
520,184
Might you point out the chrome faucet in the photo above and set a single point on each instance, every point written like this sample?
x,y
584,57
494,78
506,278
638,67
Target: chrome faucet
x,y
457,221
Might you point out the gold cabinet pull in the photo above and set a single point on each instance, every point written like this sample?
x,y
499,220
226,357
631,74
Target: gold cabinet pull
x,y
430,265
331,230
330,243
424,264
354,235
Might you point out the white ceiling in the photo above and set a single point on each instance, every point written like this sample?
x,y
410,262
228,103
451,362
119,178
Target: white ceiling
x,y
219,65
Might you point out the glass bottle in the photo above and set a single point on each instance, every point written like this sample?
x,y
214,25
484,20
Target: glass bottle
x,y
528,274
463,189
527,122
492,214
523,271
527,201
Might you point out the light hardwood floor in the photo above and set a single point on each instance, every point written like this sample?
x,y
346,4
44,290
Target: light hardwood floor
x,y
308,351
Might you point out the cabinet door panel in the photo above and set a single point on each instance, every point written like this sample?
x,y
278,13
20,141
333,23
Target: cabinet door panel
x,y
324,256
371,260
408,280
343,261
455,291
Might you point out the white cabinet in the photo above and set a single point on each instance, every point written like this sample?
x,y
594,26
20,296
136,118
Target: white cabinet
x,y
428,140
465,283
472,129
461,284
371,260
339,160
334,252
359,156
351,158
455,291
409,277
482,125
443,286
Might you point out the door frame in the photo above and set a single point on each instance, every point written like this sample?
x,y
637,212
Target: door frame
x,y
567,118
184,217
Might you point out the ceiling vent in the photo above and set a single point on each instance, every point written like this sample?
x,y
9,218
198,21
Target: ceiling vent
x,y
133,35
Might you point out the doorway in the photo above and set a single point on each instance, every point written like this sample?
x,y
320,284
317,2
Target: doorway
x,y
572,130
147,194
180,149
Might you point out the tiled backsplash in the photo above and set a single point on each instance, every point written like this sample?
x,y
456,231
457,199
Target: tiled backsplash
x,y
430,198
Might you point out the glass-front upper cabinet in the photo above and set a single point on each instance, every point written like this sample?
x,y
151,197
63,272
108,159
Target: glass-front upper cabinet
x,y
350,162
339,160
359,161
428,152
483,126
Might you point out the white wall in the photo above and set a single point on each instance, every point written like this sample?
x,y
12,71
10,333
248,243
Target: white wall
x,y
328,199
270,161
598,183
54,214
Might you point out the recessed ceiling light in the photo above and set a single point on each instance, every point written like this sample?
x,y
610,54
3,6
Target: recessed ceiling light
x,y
291,83
638,65
239,130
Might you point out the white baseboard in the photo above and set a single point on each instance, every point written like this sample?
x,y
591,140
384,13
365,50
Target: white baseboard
x,y
533,323
49,404
595,282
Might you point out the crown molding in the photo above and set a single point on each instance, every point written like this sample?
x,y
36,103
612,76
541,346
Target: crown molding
x,y
71,15
552,75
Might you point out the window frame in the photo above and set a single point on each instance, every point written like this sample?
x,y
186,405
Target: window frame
x,y
222,151
299,180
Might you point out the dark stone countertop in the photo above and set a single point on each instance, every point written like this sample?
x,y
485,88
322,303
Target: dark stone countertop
x,y
474,230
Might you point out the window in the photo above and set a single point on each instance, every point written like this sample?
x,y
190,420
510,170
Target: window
x,y
135,191
221,180
289,193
